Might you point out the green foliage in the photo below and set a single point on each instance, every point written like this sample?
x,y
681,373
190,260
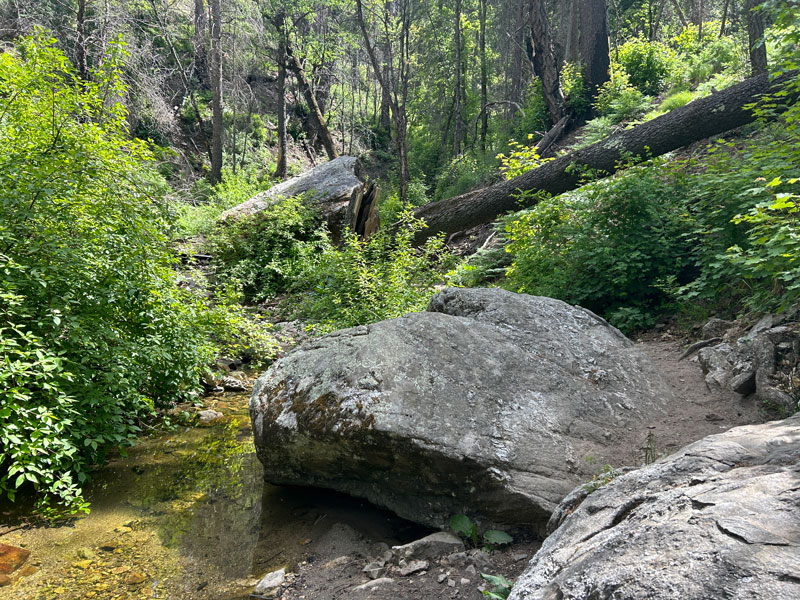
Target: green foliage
x,y
463,525
596,130
619,101
676,100
367,281
607,246
265,252
391,209
520,159
464,173
576,96
199,215
604,476
647,63
502,587
95,331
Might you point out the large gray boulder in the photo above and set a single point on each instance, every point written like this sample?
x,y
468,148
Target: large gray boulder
x,y
336,189
718,519
491,403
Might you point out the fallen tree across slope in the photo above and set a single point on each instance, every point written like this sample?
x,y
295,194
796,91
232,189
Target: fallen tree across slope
x,y
706,117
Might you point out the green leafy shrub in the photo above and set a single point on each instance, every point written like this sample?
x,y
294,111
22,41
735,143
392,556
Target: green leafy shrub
x,y
576,96
265,252
391,209
464,173
676,100
648,64
502,587
607,246
368,281
199,214
619,101
94,330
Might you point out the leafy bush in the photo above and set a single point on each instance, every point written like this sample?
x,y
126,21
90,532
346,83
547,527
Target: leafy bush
x,y
464,173
520,159
596,130
576,96
647,63
264,252
367,281
606,247
619,101
94,331
199,216
391,209
676,100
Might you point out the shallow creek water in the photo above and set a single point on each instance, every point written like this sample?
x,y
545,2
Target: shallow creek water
x,y
186,515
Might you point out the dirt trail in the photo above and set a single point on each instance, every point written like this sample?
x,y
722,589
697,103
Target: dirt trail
x,y
699,410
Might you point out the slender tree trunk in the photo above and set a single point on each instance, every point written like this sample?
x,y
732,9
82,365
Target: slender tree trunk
x,y
458,123
199,42
724,18
216,91
80,42
696,121
544,60
484,77
755,35
283,140
700,13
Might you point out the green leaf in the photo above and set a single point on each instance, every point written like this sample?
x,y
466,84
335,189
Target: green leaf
x,y
462,524
497,537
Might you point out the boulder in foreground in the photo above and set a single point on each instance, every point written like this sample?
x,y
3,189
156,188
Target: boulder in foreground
x,y
718,519
487,404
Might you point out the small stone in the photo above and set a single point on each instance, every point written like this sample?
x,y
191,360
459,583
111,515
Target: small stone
x,y
375,570
12,558
713,417
519,557
464,581
373,584
471,570
481,560
120,570
451,583
456,558
441,578
271,582
86,553
134,578
336,562
415,566
123,529
82,564
209,416
4,580
28,570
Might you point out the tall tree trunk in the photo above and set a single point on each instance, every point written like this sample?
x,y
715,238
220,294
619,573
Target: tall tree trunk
x,y
199,42
696,121
724,18
80,42
594,45
458,133
484,76
544,60
216,91
755,35
283,139
315,114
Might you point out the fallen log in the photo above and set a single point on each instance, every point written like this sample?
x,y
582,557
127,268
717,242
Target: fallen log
x,y
700,119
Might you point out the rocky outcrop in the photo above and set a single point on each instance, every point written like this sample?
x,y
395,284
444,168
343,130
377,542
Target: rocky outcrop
x,y
487,404
718,519
764,361
336,189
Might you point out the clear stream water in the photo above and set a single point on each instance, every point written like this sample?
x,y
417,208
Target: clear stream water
x,y
186,515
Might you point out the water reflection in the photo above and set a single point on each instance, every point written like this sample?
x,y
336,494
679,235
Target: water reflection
x,y
189,514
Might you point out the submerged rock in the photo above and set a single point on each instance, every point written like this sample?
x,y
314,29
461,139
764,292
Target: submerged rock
x,y
12,558
717,519
488,404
